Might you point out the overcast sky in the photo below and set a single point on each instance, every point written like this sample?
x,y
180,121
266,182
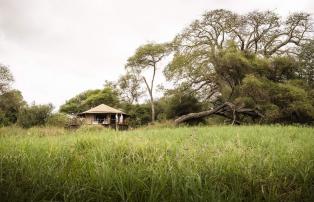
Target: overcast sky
x,y
59,48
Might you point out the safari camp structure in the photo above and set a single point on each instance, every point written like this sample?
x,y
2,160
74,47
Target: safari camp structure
x,y
106,116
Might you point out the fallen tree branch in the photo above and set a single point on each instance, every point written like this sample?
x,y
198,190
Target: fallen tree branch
x,y
222,110
190,116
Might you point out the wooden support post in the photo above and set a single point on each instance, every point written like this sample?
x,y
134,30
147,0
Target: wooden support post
x,y
117,119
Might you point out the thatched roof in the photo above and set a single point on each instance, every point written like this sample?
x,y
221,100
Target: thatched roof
x,y
103,109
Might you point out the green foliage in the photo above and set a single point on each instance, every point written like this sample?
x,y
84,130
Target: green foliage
x,y
91,98
10,100
147,55
34,115
254,89
58,120
232,65
177,105
129,87
191,70
273,85
6,79
10,104
282,69
286,102
216,58
254,163
295,103
140,114
306,58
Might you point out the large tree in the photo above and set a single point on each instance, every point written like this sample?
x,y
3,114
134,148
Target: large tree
x,y
11,101
145,58
213,55
268,90
6,79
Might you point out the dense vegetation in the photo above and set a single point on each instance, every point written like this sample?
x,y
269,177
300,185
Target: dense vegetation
x,y
89,99
250,64
247,163
34,115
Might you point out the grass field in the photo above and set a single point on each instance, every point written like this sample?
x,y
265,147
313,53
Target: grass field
x,y
221,163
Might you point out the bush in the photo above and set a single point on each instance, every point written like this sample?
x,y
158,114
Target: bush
x,y
140,114
10,104
176,104
34,115
58,119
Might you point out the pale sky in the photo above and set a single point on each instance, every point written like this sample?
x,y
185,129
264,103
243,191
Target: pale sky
x,y
59,48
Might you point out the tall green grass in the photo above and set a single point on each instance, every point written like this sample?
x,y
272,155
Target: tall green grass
x,y
249,163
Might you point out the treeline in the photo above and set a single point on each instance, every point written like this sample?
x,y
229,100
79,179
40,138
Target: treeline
x,y
13,108
170,106
252,68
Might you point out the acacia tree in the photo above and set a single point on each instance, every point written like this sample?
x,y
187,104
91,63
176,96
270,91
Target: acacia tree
x,y
213,55
259,32
147,57
6,78
129,86
306,58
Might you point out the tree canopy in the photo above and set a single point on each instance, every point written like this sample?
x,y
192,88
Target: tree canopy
x,y
34,115
225,58
89,99
306,58
129,88
10,104
260,32
6,79
11,100
147,57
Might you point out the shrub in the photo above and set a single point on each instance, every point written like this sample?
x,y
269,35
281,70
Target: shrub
x,y
58,119
10,104
34,115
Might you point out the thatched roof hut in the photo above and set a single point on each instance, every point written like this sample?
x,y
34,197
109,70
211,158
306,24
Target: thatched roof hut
x,y
106,116
103,109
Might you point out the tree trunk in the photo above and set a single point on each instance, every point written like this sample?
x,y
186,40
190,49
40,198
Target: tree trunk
x,y
153,110
227,110
152,104
150,92
190,116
